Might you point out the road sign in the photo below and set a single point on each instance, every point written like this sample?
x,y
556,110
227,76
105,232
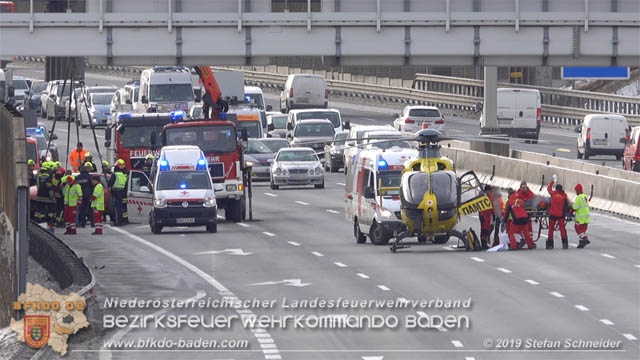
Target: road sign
x,y
594,73
516,74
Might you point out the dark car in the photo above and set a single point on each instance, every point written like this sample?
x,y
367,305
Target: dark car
x,y
334,151
258,153
277,125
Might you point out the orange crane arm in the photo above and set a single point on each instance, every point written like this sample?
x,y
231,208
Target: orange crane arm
x,y
209,83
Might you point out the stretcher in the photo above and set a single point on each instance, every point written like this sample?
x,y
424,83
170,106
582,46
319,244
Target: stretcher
x,y
540,215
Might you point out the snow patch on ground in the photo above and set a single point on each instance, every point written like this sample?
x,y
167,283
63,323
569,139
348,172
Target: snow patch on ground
x,y
632,89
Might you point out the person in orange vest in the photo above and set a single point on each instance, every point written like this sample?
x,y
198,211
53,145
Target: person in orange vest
x,y
76,158
558,208
520,224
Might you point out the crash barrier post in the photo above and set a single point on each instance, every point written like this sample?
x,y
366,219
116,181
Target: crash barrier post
x,y
14,191
59,259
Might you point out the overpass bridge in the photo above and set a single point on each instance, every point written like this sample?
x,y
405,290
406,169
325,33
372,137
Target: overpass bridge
x,y
354,32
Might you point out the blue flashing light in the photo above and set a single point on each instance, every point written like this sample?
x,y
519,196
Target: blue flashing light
x,y
202,165
177,115
34,130
382,164
248,98
183,185
164,165
223,116
124,116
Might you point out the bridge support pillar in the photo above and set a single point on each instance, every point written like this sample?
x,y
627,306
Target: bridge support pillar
x,y
56,67
490,107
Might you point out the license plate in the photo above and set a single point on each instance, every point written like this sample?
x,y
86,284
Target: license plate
x,y
505,121
303,100
185,220
600,141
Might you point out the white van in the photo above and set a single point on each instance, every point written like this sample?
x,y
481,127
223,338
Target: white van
x,y
356,136
21,88
374,210
304,91
253,94
332,115
165,89
602,134
182,193
518,113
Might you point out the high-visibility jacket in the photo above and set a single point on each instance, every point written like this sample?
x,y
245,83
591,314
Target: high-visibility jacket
x,y
65,193
57,189
75,193
76,158
97,199
581,207
120,181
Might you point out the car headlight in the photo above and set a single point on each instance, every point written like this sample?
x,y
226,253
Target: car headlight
x,y
386,214
209,202
249,163
230,187
160,203
318,170
311,172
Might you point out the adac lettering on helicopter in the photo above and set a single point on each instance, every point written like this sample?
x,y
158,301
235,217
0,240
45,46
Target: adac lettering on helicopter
x,y
476,205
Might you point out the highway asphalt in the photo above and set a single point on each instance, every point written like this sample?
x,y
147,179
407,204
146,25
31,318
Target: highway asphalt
x,y
301,247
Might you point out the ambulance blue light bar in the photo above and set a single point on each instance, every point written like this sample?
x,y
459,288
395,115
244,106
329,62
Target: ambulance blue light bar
x,y
34,130
177,115
183,185
382,164
124,116
202,164
164,165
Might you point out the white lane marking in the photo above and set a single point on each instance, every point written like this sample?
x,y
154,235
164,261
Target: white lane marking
x,y
556,294
630,337
457,343
638,266
301,202
506,271
383,288
272,357
607,322
364,276
204,276
341,184
142,226
243,224
183,235
424,315
532,282
63,130
573,244
339,264
564,150
265,341
608,256
294,243
448,248
581,307
332,211
454,130
270,194
268,346
476,259
469,358
268,233
317,253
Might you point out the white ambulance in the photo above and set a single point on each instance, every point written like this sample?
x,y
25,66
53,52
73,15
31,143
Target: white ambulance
x,y
374,209
179,193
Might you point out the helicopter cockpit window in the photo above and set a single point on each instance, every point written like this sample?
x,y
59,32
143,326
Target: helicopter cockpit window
x,y
418,186
470,187
443,185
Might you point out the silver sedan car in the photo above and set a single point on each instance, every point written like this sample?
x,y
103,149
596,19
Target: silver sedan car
x,y
297,166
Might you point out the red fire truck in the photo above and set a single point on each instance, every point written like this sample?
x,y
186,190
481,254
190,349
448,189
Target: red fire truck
x,y
219,142
132,135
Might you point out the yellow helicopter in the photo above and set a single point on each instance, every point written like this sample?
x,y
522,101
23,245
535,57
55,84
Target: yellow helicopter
x,y
433,197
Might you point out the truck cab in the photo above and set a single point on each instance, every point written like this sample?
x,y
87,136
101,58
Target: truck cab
x,y
179,193
165,89
370,205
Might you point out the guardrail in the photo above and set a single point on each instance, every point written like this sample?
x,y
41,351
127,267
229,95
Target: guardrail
x,y
558,105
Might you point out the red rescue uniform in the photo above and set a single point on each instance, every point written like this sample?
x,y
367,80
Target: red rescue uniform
x,y
520,223
557,212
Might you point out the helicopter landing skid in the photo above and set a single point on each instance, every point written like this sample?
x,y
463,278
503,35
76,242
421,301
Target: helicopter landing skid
x,y
397,241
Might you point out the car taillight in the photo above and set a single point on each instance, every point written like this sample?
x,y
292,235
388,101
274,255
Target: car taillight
x,y
440,122
409,121
291,92
538,113
588,133
626,134
326,93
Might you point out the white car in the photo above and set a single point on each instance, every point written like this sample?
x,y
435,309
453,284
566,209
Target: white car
x,y
296,166
412,119
355,142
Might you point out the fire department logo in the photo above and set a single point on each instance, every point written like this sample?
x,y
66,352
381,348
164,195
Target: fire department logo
x,y
36,330
184,192
185,204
